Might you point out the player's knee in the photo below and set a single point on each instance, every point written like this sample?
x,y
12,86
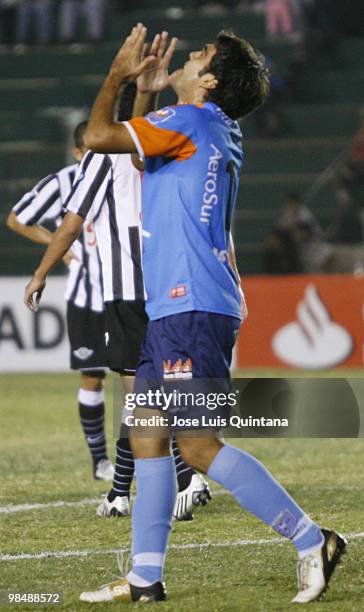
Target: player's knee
x,y
193,454
92,382
149,448
198,453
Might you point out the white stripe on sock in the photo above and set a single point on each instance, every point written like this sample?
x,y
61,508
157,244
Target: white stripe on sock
x,y
154,559
91,398
137,580
312,549
303,525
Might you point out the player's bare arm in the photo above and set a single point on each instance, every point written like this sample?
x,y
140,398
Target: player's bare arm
x,y
61,242
104,134
34,233
153,80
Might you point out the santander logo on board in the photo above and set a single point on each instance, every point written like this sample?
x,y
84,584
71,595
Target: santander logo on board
x,y
314,340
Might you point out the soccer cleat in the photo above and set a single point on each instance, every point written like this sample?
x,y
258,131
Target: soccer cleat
x,y
117,507
315,570
104,470
197,493
121,590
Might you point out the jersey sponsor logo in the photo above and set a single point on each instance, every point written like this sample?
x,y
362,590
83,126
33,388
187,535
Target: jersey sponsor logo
x,y
161,116
83,353
210,197
177,371
314,340
177,292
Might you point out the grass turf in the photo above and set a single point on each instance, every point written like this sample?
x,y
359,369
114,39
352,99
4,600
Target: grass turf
x,y
44,460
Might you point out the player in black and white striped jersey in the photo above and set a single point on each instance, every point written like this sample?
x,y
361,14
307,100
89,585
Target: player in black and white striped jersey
x,y
107,189
85,306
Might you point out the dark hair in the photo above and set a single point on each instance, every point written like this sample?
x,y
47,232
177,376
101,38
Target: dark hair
x,y
243,78
127,102
79,133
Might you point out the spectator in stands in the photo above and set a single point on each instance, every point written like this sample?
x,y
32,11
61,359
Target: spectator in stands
x,y
39,12
279,18
315,254
351,173
268,117
295,215
92,12
280,255
7,21
347,226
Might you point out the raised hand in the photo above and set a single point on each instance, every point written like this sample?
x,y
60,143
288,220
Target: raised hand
x,y
130,61
155,77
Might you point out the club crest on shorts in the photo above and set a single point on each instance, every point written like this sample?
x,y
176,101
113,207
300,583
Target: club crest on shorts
x,y
177,371
83,353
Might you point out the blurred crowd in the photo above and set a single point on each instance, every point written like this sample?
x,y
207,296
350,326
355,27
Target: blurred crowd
x,y
28,21
312,22
297,244
51,21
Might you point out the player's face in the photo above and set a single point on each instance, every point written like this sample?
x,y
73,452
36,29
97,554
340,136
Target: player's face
x,y
189,76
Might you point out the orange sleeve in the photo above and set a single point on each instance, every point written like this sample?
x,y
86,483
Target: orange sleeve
x,y
155,141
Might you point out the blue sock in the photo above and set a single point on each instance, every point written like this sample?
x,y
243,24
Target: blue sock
x,y
152,518
257,491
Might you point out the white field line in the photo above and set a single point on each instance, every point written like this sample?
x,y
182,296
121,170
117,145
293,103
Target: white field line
x,y
194,545
89,501
12,508
57,504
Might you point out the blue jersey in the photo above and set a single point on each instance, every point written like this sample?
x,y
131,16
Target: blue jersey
x,y
193,161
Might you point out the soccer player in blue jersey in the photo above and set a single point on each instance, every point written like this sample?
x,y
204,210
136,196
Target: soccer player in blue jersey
x,y
193,157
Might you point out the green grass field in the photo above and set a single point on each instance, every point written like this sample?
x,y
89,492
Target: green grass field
x,y
229,565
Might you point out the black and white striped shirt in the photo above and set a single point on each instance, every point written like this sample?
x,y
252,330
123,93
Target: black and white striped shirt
x,y
107,189
46,203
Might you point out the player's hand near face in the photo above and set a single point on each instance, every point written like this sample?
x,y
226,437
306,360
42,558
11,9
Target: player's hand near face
x,y
104,134
131,61
155,77
33,293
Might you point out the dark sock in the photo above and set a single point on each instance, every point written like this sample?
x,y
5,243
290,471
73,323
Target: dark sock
x,y
184,472
124,470
91,410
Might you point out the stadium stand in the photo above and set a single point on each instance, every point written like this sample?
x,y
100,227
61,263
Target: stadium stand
x,y
317,122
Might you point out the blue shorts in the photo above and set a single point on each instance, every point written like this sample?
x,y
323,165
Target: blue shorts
x,y
189,352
